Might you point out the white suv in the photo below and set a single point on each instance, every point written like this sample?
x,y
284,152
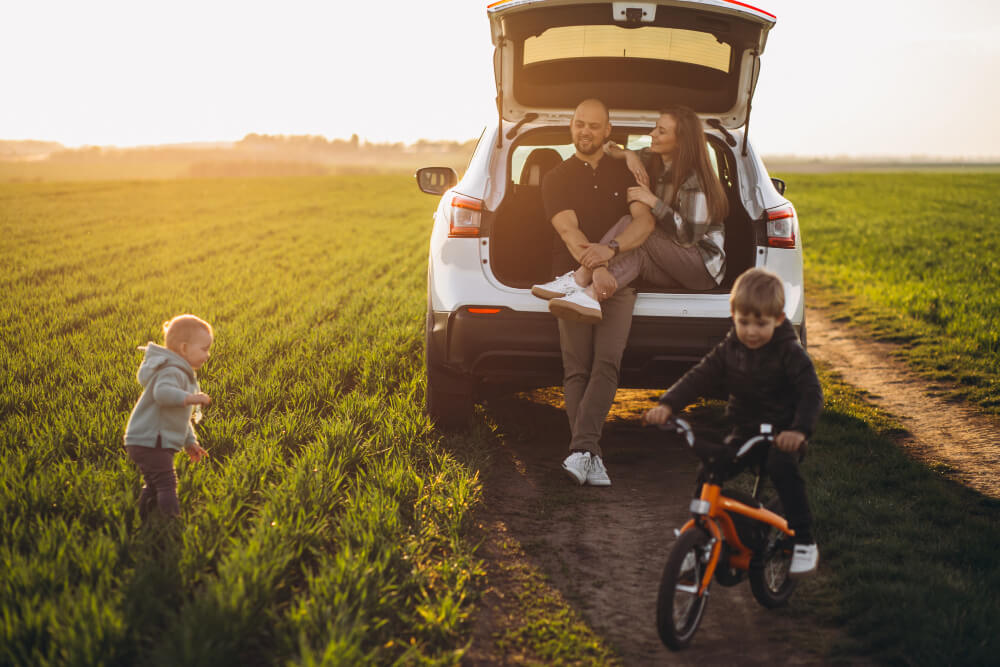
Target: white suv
x,y
491,240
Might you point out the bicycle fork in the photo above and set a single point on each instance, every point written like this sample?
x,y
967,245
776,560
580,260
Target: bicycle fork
x,y
702,516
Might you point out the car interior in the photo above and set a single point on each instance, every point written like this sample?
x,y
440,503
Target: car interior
x,y
522,238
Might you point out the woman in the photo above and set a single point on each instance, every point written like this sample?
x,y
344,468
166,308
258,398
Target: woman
x,y
685,248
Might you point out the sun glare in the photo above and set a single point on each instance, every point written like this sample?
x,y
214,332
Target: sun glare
x,y
111,72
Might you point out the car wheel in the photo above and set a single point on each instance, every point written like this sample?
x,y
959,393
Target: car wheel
x,y
449,400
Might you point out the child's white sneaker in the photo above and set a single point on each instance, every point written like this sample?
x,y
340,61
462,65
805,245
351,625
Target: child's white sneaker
x,y
577,466
805,557
598,474
577,307
560,286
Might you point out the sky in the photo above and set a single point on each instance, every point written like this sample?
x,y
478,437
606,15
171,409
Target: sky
x,y
872,78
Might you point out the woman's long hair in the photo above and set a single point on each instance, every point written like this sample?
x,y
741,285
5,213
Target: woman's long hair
x,y
691,157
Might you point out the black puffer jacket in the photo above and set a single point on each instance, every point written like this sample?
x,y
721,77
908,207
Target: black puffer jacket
x,y
774,384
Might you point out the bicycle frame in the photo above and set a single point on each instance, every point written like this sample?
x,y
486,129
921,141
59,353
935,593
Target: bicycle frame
x,y
711,511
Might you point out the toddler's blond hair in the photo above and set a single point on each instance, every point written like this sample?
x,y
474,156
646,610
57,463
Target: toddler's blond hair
x,y
181,328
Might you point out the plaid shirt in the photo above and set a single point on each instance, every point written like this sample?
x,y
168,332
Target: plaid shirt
x,y
689,224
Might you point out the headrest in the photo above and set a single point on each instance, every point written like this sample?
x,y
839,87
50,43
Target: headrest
x,y
538,163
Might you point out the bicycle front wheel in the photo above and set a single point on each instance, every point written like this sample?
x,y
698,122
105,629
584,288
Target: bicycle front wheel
x,y
679,607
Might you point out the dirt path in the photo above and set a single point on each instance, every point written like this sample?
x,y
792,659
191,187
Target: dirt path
x,y
602,550
956,440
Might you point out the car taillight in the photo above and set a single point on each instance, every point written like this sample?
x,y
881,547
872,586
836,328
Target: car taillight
x,y
781,227
464,216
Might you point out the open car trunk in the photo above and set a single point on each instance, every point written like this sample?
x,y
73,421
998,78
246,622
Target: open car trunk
x,y
522,238
635,56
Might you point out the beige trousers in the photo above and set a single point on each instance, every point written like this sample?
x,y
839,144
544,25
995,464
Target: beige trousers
x,y
592,356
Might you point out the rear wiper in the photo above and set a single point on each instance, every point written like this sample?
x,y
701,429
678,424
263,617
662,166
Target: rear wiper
x,y
528,117
717,124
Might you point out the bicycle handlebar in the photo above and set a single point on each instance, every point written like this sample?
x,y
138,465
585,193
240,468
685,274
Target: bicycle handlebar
x,y
681,427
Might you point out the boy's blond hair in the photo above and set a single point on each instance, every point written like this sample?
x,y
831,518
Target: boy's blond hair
x,y
180,329
758,292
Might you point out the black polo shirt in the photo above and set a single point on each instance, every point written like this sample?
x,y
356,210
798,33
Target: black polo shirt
x,y
597,196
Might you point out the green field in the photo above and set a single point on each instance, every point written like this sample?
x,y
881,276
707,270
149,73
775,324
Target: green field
x,y
915,257
327,521
330,524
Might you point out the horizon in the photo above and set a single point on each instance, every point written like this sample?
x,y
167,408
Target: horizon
x,y
866,80
227,143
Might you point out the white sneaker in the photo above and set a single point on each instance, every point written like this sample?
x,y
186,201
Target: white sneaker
x,y
560,286
805,557
577,465
576,307
598,474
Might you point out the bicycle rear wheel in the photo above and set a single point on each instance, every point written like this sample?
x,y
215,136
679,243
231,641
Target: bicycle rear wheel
x,y
679,607
769,578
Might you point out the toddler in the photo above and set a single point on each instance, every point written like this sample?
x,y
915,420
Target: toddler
x,y
160,423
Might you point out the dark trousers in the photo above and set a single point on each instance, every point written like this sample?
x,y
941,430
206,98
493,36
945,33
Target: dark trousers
x,y
783,470
160,489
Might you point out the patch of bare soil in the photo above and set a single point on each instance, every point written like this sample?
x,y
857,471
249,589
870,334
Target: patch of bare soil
x,y
951,437
602,550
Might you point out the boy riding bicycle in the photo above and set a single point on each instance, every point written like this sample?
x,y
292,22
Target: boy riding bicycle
x,y
769,378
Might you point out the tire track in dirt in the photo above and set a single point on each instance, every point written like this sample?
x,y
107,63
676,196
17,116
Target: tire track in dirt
x,y
963,443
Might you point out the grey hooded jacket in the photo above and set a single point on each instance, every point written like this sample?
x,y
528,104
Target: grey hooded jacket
x,y
167,379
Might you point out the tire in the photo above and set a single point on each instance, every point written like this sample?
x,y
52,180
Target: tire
x,y
769,578
449,399
679,612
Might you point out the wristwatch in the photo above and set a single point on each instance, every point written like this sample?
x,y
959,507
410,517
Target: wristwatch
x,y
613,244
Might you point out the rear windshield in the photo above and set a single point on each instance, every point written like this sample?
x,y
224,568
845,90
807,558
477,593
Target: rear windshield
x,y
632,141
612,41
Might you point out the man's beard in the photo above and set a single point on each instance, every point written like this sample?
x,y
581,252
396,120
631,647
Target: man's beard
x,y
595,148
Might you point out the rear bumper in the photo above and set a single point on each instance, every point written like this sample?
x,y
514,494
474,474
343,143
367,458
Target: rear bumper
x,y
518,349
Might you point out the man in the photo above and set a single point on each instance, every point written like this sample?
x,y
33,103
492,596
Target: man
x,y
584,197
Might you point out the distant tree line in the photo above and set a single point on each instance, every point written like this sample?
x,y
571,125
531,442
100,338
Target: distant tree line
x,y
305,146
318,143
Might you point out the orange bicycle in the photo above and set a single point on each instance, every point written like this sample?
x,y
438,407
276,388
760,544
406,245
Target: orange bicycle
x,y
731,535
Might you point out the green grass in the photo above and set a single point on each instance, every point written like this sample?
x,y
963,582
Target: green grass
x,y
331,523
910,569
915,258
327,524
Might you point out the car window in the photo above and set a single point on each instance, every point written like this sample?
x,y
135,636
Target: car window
x,y
520,154
634,142
637,142
612,41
